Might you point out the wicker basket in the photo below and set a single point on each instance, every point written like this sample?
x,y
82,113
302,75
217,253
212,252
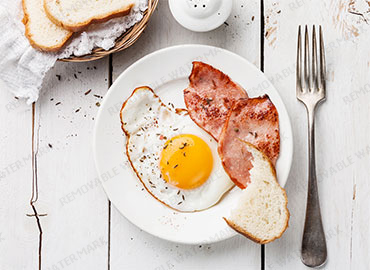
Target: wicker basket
x,y
124,41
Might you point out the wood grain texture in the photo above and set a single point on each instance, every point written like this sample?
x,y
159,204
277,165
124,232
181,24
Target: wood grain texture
x,y
17,231
75,228
130,247
341,129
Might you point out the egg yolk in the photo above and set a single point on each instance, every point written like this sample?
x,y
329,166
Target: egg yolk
x,y
186,161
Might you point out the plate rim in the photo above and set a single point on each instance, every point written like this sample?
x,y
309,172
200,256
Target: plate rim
x,y
143,59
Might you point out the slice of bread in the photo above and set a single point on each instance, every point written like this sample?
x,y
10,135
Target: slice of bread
x,y
42,33
261,214
75,15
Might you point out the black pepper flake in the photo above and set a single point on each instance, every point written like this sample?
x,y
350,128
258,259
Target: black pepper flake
x,y
183,145
176,166
209,100
87,92
59,77
97,96
164,147
184,154
253,134
179,203
183,197
175,129
56,104
49,144
226,23
76,111
178,192
75,76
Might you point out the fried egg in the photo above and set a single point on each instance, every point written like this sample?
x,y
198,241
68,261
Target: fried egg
x,y
176,161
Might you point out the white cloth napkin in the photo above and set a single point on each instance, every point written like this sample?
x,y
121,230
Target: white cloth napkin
x,y
23,68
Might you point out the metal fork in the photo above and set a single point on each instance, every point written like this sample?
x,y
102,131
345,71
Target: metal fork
x,y
311,91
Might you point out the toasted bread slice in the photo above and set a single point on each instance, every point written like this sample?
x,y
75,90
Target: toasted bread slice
x,y
261,214
76,15
42,33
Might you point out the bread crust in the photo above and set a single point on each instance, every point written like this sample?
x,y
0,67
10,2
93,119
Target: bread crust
x,y
33,43
248,234
83,25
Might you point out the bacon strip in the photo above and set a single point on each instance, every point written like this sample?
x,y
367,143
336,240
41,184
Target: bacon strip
x,y
210,96
255,121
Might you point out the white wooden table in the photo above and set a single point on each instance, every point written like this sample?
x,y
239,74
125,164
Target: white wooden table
x,y
52,144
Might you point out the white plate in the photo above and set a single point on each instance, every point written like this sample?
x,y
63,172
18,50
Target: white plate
x,y
166,71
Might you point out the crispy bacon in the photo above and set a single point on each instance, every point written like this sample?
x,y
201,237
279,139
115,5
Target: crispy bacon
x,y
223,109
210,96
255,121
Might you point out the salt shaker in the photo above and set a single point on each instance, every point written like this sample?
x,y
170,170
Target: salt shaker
x,y
201,15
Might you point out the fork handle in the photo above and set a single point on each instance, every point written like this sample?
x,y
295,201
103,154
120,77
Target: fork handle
x,y
313,252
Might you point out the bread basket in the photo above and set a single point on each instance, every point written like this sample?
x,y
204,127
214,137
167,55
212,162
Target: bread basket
x,y
124,41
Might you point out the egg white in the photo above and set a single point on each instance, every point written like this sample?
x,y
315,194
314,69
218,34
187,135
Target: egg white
x,y
148,124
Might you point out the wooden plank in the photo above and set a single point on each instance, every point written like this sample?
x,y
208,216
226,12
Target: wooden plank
x,y
75,228
130,247
18,233
341,173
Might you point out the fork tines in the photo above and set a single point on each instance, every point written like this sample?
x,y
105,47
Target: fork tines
x,y
312,77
